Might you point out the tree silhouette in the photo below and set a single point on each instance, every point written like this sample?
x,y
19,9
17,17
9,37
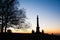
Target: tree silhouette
x,y
10,14
23,24
7,10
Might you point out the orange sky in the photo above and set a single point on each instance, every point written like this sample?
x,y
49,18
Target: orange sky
x,y
29,31
52,31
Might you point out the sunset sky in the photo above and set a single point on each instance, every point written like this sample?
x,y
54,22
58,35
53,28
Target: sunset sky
x,y
48,11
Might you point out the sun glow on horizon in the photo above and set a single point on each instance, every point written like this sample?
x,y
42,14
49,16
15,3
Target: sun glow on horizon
x,y
19,30
30,31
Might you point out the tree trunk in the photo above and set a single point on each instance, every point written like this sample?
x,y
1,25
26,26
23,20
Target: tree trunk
x,y
6,22
2,25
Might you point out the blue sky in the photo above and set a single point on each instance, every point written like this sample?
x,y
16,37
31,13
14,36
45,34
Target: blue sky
x,y
48,11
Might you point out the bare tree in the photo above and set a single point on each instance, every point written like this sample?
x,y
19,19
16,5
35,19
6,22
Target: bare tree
x,y
9,13
7,9
23,24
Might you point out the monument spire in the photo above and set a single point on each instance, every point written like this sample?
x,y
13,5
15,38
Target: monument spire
x,y
37,21
37,28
